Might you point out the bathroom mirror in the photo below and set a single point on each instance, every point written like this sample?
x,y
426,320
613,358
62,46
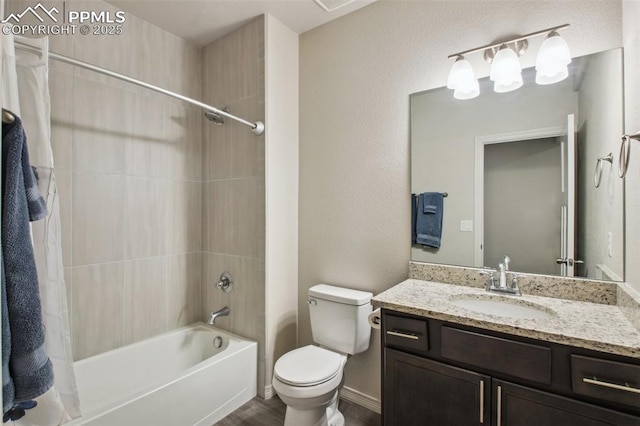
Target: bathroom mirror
x,y
518,169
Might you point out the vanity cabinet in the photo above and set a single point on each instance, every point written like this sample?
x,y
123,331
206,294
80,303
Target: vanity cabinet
x,y
424,392
437,373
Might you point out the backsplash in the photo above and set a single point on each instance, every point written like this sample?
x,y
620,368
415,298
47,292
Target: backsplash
x,y
578,289
629,303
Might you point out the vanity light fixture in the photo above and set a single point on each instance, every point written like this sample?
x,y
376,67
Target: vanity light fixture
x,y
506,70
552,60
462,80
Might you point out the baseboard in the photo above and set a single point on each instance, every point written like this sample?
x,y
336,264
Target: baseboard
x,y
360,398
269,392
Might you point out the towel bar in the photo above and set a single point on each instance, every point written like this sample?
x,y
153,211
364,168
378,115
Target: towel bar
x,y
625,148
598,174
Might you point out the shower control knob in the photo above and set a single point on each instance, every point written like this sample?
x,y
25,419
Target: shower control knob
x,y
225,282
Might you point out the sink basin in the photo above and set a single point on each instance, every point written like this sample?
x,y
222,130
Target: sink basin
x,y
501,306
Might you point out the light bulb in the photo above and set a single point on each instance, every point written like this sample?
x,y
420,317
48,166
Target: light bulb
x,y
506,72
552,60
463,80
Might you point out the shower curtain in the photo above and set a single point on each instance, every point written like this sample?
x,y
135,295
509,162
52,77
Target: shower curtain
x,y
25,91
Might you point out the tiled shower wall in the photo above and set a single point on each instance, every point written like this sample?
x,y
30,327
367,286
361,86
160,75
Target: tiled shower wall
x,y
234,185
129,173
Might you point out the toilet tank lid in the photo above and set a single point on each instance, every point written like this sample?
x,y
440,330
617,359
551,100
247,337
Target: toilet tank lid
x,y
340,294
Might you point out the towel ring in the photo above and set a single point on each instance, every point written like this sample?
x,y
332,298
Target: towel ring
x,y
625,148
598,175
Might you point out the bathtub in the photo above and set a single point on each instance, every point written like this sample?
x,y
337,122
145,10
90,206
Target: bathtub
x,y
178,378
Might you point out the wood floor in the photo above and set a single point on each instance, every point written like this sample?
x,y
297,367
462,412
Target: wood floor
x,y
270,412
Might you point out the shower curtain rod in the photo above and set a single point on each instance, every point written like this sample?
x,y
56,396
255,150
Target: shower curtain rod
x,y
257,127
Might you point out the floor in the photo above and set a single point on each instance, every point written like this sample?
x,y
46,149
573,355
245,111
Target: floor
x,y
270,412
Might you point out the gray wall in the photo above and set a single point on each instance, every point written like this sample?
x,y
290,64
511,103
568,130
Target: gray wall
x,y
600,124
356,74
234,185
128,166
522,193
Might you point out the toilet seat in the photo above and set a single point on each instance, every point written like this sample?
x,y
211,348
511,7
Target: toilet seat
x,y
308,366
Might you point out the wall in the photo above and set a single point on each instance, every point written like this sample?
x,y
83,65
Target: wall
x,y
233,72
356,74
435,116
631,37
533,169
129,178
281,193
600,124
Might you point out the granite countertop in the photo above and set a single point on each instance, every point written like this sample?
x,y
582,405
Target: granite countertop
x,y
587,325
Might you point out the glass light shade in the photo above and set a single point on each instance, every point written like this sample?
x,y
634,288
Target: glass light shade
x,y
463,80
506,72
552,60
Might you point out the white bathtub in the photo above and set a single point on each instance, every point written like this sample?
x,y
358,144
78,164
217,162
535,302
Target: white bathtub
x,y
175,379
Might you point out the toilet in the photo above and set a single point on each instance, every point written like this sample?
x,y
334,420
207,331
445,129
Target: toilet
x,y
308,379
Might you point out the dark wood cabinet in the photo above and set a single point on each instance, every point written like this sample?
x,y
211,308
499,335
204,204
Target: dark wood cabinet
x,y
443,374
522,406
423,392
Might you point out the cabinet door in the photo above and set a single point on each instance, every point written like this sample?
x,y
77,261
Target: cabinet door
x,y
521,406
419,391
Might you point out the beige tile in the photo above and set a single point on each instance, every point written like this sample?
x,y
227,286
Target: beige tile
x,y
147,148
147,56
246,301
145,299
61,92
102,126
184,225
218,150
234,217
184,278
145,217
182,65
216,75
97,309
112,52
182,127
97,225
243,54
64,186
232,150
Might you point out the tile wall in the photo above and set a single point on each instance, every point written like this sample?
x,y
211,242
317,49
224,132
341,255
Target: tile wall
x,y
234,185
129,173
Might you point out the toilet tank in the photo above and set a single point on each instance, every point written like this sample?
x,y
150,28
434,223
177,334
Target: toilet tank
x,y
339,318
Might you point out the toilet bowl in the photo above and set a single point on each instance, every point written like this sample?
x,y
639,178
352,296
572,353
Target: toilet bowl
x,y
308,379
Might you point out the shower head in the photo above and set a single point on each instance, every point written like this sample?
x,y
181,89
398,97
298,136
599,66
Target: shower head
x,y
215,117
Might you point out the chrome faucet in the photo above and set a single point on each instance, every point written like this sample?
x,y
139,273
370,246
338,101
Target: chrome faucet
x,y
500,285
221,313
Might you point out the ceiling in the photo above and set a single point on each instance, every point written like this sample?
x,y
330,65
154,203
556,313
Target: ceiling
x,y
202,21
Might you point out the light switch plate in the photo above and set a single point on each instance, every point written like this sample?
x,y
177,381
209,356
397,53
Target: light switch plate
x,y
466,226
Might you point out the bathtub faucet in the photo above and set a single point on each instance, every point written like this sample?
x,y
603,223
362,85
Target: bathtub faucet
x,y
221,313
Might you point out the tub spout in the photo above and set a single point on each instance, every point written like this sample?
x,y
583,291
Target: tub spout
x,y
221,313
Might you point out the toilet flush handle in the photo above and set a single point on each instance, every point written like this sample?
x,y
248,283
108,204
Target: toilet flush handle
x,y
312,302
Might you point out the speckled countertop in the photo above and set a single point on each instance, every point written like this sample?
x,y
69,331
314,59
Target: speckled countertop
x,y
588,325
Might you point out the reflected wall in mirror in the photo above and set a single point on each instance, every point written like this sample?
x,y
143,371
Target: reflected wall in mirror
x,y
519,170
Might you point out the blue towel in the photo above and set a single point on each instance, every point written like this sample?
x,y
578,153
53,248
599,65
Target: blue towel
x,y
429,219
432,202
27,371
414,213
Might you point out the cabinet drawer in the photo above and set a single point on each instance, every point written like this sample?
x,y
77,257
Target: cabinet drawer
x,y
606,380
516,359
406,333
